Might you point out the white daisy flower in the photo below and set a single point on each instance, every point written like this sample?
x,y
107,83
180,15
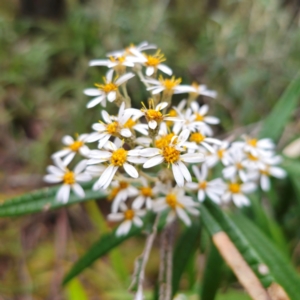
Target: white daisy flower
x,y
220,154
117,157
153,114
257,147
109,90
118,63
168,86
267,172
133,50
146,195
201,89
115,126
198,139
152,63
200,114
236,165
129,217
236,192
213,189
72,147
189,122
259,159
179,204
120,191
171,155
59,173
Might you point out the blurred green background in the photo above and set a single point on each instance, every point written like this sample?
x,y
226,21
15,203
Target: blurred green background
x,y
248,51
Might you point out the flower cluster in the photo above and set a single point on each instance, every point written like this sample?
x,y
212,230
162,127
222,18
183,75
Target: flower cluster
x,y
157,156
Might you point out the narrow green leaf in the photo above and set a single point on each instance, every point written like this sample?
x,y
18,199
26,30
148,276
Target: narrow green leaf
x,y
75,290
100,248
279,116
43,200
279,266
238,238
108,242
212,274
185,248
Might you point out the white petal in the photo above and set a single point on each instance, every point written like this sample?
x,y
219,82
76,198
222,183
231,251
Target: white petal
x,y
69,158
111,96
277,172
131,170
248,187
197,172
63,193
115,217
240,200
61,153
80,166
95,101
137,222
149,152
149,71
211,120
50,178
157,90
165,69
109,75
152,124
161,106
138,202
126,132
83,177
178,175
201,195
192,157
183,216
99,62
78,190
92,92
67,140
153,161
124,78
185,172
265,183
124,228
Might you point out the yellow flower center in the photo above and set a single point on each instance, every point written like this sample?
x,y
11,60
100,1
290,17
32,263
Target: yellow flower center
x,y
197,137
129,214
171,200
164,141
265,172
239,166
234,188
252,157
119,59
169,83
252,142
152,114
172,113
146,191
114,192
129,124
220,153
202,185
170,154
69,178
76,146
154,60
106,88
112,128
199,117
119,157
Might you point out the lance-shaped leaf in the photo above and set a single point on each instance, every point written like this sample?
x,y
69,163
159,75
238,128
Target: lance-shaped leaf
x,y
281,113
108,242
43,200
185,248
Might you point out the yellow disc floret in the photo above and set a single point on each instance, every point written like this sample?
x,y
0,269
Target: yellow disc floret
x,y
114,192
119,157
252,142
76,146
220,153
107,87
129,124
252,157
234,188
154,60
202,185
197,137
152,114
69,178
112,128
170,154
199,117
129,214
171,200
170,83
164,141
146,191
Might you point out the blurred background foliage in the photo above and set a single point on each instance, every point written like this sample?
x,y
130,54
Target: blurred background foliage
x,y
246,50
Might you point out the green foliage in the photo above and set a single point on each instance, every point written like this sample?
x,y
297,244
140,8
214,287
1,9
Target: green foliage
x,y
256,249
276,121
43,200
